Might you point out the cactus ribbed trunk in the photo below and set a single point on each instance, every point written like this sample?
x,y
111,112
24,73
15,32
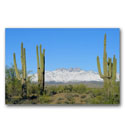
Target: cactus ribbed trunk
x,y
109,70
38,66
23,77
105,63
24,89
41,69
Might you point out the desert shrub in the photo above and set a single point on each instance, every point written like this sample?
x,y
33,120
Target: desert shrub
x,y
93,92
66,102
68,88
83,96
70,99
60,89
32,89
75,95
59,102
69,102
44,99
52,92
60,98
79,88
95,100
112,99
12,85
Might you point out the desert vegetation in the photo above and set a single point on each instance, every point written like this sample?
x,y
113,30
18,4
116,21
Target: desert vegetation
x,y
57,94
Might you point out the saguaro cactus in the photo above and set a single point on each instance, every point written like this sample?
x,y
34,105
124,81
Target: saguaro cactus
x,y
23,77
109,69
41,68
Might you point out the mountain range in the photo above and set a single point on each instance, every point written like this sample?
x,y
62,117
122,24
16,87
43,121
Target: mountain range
x,y
71,75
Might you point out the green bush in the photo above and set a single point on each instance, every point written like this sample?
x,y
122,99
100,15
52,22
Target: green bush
x,y
44,99
70,99
83,96
79,88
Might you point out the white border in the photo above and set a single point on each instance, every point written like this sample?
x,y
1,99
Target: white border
x,y
57,13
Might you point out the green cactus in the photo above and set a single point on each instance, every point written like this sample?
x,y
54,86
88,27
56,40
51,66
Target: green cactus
x,y
109,70
41,68
23,77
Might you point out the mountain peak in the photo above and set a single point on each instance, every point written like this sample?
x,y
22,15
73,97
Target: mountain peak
x,y
65,75
69,69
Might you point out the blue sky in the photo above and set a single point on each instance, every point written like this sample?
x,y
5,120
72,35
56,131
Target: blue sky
x,y
64,47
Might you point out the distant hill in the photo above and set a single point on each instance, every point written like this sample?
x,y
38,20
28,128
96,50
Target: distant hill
x,y
71,76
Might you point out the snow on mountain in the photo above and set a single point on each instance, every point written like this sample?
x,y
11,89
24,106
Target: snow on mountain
x,y
70,75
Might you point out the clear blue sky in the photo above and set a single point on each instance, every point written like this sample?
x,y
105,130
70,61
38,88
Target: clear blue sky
x,y
64,47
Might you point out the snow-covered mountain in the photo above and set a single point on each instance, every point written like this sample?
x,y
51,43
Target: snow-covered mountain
x,y
64,75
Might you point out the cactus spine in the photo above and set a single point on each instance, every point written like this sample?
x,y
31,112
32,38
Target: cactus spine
x,y
109,69
23,77
41,68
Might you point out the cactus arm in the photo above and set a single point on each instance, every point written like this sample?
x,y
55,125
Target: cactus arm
x,y
114,67
43,59
109,67
22,59
24,63
41,68
105,58
40,57
40,48
41,65
41,62
44,63
15,67
24,74
38,65
99,68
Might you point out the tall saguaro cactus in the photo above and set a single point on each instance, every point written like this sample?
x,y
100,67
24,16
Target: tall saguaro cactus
x,y
109,69
23,77
41,68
